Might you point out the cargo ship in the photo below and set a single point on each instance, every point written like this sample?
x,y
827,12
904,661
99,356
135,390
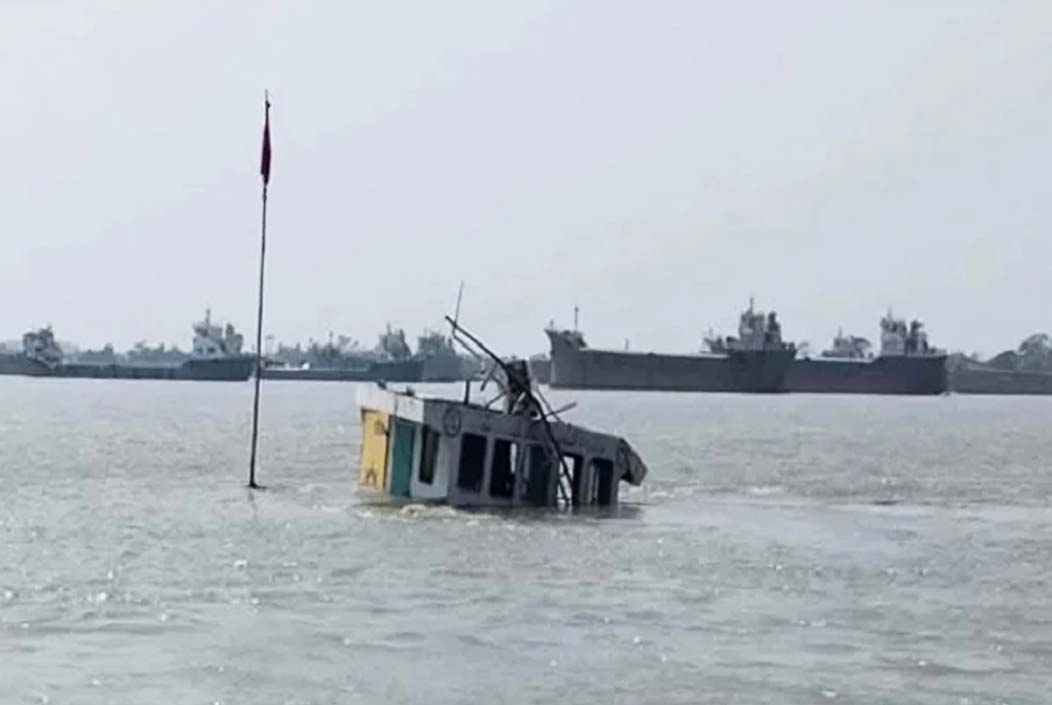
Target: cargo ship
x,y
216,356
1025,370
906,364
391,360
755,361
39,354
986,380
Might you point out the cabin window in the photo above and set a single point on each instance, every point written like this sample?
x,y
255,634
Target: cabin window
x,y
428,456
539,475
502,468
602,481
472,462
575,465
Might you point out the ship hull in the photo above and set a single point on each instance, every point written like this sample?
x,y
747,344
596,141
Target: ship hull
x,y
442,368
18,364
759,371
402,371
541,370
881,375
232,369
428,369
315,374
990,381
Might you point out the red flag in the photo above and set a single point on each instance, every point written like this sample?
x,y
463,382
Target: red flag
x,y
264,162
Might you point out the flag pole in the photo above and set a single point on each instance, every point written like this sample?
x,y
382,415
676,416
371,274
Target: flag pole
x,y
264,170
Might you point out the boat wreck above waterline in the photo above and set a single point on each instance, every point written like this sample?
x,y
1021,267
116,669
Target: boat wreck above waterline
x,y
467,455
473,455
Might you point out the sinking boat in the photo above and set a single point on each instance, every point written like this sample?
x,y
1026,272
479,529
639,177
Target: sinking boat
x,y
513,451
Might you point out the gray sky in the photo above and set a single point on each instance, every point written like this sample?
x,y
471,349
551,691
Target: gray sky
x,y
656,163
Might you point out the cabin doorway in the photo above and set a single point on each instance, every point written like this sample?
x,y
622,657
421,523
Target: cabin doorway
x,y
402,442
604,489
540,477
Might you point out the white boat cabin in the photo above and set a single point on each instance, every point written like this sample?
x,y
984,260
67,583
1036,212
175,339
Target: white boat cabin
x,y
468,455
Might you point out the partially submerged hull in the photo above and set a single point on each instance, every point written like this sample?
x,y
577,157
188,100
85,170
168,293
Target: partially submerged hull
x,y
899,374
759,371
469,456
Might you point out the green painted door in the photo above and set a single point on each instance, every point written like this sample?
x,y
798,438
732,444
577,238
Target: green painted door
x,y
402,457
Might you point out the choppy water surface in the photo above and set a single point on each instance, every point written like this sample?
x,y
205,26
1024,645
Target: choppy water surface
x,y
786,549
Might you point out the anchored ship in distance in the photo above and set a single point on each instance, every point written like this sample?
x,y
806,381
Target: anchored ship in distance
x,y
392,360
1024,370
906,364
757,360
216,356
